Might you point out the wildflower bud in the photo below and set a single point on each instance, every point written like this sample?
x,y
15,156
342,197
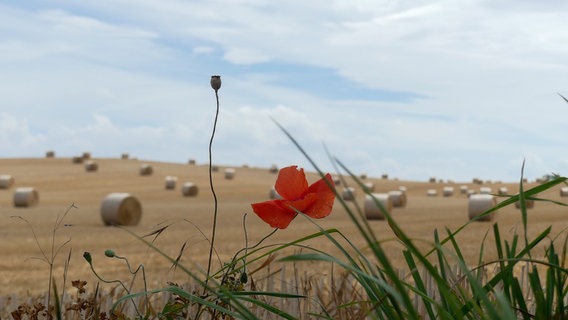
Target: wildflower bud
x,y
87,257
109,253
216,82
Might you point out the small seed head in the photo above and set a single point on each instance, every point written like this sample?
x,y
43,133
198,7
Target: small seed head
x,y
216,82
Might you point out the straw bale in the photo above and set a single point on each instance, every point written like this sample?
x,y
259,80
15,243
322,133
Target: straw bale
x,y
273,194
403,189
191,162
125,156
26,197
77,160
363,176
6,181
448,191
432,180
384,176
86,155
91,166
564,192
215,168
529,203
398,198
503,190
372,210
369,187
121,209
479,203
50,154
336,181
431,192
485,190
348,194
146,169
189,189
470,192
229,173
463,189
273,169
170,182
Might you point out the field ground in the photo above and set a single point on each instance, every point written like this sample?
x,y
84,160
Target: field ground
x,y
61,183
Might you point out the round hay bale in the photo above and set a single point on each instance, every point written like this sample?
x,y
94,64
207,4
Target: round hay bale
x,y
348,194
26,197
91,166
146,170
273,169
564,192
403,189
448,191
77,160
363,176
229,173
189,189
171,182
121,209
463,189
479,203
503,190
470,192
397,198
191,162
385,176
528,203
124,156
431,192
432,180
6,181
369,187
372,210
485,190
50,154
215,168
86,155
336,181
273,194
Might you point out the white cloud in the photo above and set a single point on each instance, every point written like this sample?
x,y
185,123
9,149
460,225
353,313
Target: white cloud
x,y
83,73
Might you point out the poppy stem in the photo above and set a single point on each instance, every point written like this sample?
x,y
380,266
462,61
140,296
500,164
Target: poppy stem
x,y
212,189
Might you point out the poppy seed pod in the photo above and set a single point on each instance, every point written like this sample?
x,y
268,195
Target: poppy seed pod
x,y
216,82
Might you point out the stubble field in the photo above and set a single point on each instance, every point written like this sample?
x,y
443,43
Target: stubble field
x,y
62,184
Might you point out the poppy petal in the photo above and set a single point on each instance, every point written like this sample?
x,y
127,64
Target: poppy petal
x,y
324,197
274,213
291,183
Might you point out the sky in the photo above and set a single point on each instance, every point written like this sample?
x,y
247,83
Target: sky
x,y
454,90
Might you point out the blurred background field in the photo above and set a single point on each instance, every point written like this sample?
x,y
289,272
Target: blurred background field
x,y
61,183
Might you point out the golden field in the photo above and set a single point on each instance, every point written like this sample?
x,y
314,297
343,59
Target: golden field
x,y
62,183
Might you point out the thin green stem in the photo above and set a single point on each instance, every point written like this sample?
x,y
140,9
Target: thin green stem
x,y
212,189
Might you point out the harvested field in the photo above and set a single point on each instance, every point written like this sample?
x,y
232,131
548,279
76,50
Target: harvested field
x,y
62,184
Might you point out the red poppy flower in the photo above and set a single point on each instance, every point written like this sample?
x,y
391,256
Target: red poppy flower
x,y
314,201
